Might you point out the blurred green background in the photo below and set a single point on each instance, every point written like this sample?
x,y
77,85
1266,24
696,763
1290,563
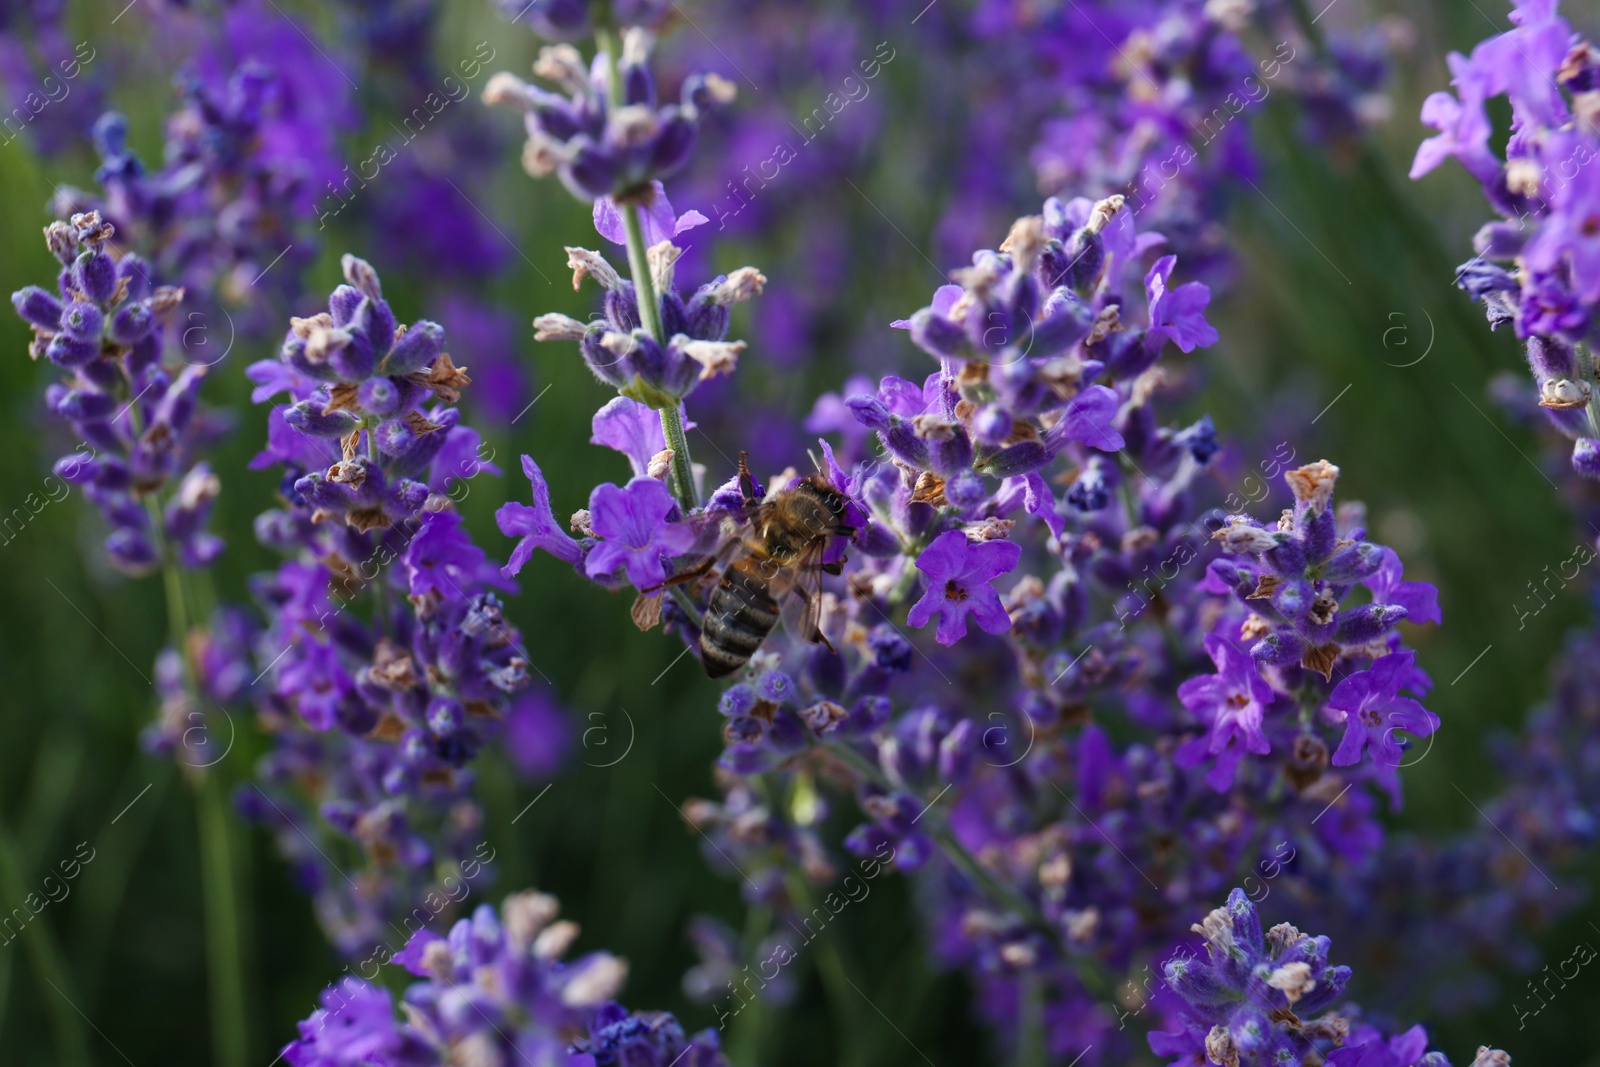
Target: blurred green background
x,y
1346,275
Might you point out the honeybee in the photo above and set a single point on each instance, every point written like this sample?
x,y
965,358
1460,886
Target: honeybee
x,y
774,557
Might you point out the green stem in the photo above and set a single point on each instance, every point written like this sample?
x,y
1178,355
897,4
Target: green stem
x,y
1088,971
100,904
835,979
644,288
1032,1048
223,951
747,1041
644,284
71,1043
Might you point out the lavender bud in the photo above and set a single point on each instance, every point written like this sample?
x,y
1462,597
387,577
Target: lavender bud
x,y
445,716
738,700
674,143
83,321
359,273
395,437
937,335
132,322
1367,623
1018,459
965,488
319,492
957,751
992,425
67,351
307,417
95,276
81,404
342,304
406,498
416,349
130,550
1091,491
76,469
1280,649
949,449
1586,457
38,308
379,396
135,270
602,358
1352,563
775,687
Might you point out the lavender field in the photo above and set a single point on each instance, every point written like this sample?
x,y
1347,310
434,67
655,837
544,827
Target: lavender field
x,y
728,533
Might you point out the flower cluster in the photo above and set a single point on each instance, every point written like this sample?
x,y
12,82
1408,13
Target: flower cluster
x,y
1049,375
1041,368
606,133
497,990
1293,580
1263,998
620,349
136,414
1072,694
1538,266
377,720
222,214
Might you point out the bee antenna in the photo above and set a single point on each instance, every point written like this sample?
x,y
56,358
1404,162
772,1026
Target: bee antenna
x,y
747,484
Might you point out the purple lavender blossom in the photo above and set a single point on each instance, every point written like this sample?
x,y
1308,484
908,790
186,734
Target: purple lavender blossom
x,y
497,987
1263,997
1546,194
634,533
389,664
1231,703
598,146
1375,711
535,525
136,414
659,221
958,574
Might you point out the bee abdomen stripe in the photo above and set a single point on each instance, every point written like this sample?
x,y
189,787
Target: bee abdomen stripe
x,y
747,604
729,631
717,662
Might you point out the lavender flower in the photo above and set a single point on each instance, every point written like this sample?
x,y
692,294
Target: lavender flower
x,y
1263,998
377,718
601,147
958,574
137,417
624,354
225,211
634,532
1548,199
496,989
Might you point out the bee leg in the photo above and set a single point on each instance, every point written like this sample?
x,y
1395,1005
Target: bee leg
x,y
683,576
833,567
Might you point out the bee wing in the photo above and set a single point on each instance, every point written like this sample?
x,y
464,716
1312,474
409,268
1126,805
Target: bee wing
x,y
714,545
712,536
801,605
